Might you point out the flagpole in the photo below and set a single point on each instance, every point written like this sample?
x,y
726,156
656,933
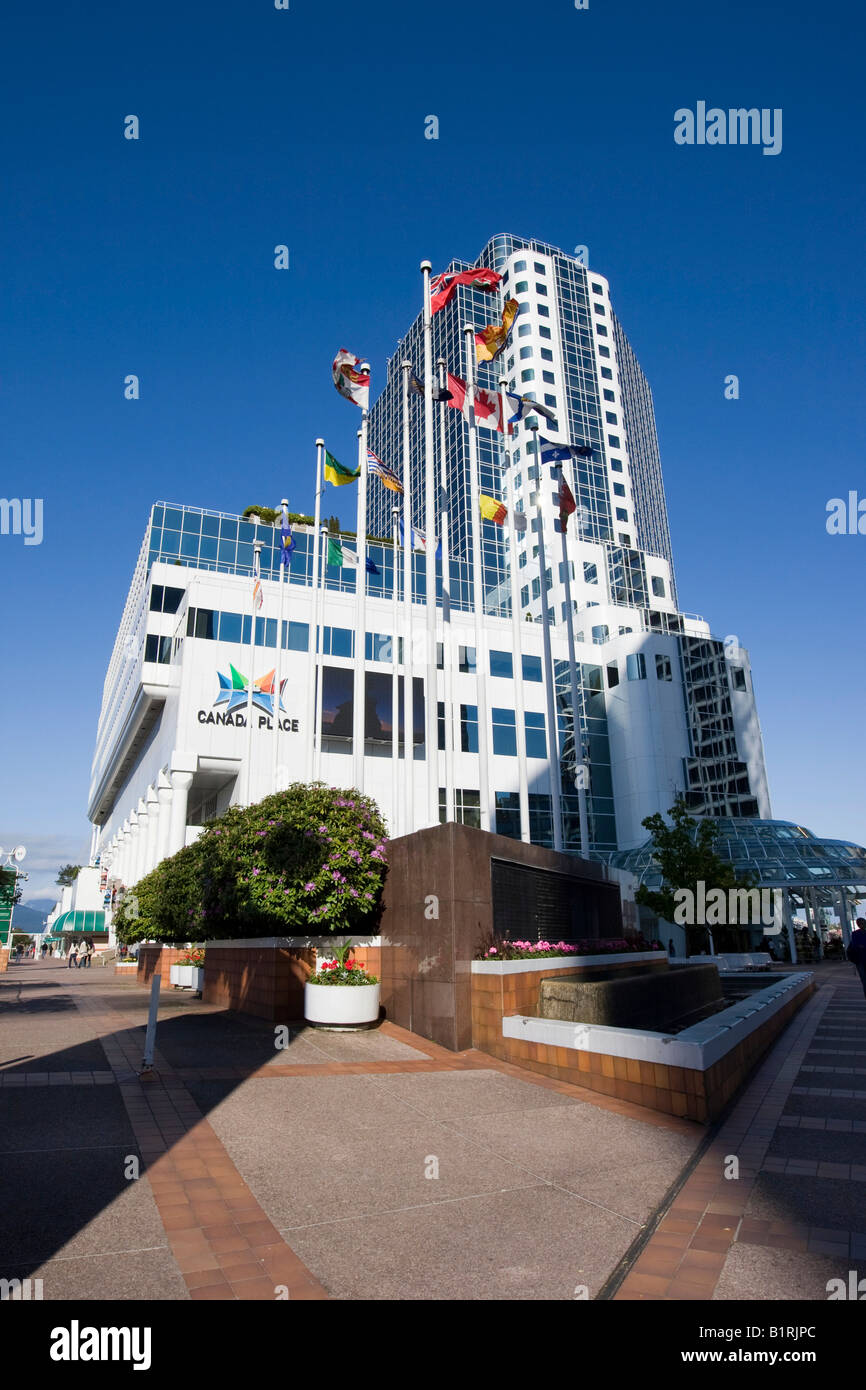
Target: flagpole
x,y
431,703
278,666
477,586
576,727
516,640
395,685
317,674
549,679
257,546
314,614
408,693
447,646
360,704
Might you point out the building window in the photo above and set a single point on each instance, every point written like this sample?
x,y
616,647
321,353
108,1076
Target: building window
x,y
501,665
440,724
544,311
532,668
543,332
469,728
610,417
524,596
157,649
522,287
663,668
616,465
597,289
378,646
562,565
337,641
536,742
165,599
522,560
612,675
295,639
524,330
621,514
540,289
508,814
738,676
527,375
518,266
546,354
549,378
613,441
600,634
602,350
539,268
608,394
202,622
504,733
525,352
466,660
618,490
550,400
590,572
658,586
600,328
625,539
599,308
540,819
607,374
635,666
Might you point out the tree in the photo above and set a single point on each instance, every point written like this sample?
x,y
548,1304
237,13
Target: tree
x,y
67,875
685,853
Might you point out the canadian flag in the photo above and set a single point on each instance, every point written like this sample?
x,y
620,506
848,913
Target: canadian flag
x,y
488,406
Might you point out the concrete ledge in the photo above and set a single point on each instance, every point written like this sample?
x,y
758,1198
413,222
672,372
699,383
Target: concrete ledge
x,y
516,967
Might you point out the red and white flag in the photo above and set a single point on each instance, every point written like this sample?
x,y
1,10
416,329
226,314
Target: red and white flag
x,y
351,381
443,287
488,406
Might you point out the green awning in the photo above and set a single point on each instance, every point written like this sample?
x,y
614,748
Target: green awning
x,y
78,922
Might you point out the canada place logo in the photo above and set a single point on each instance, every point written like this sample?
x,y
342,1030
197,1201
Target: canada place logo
x,y
234,691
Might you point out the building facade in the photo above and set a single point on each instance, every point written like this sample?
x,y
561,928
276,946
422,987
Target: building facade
x,y
663,707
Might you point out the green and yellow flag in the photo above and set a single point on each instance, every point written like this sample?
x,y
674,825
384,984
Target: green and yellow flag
x,y
338,475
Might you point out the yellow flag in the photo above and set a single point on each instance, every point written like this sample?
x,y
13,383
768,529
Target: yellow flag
x,y
492,339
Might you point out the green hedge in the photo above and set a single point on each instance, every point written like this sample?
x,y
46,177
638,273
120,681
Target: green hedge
x,y
311,859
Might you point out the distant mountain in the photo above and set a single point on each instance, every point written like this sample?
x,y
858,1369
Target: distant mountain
x,y
43,905
26,920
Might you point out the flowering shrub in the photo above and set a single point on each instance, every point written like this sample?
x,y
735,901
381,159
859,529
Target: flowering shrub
x,y
310,859
342,971
194,957
536,950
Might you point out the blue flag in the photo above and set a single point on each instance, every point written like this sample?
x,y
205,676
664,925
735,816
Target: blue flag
x,y
371,568
287,540
559,453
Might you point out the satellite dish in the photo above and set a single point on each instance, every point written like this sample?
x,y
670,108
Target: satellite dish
x,y
19,853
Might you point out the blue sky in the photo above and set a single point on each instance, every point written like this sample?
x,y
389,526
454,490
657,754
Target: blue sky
x,y
302,127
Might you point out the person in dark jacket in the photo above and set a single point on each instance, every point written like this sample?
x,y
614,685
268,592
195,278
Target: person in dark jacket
x,y
856,952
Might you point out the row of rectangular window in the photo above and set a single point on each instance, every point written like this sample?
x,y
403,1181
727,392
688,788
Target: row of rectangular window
x,y
504,726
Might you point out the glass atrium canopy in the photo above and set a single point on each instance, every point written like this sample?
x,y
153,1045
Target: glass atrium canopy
x,y
777,853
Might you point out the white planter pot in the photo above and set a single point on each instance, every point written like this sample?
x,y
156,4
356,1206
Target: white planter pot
x,y
341,1004
187,976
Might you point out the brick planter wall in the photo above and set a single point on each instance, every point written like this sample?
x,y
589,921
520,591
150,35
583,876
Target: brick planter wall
x,y
265,981
130,971
4,960
157,960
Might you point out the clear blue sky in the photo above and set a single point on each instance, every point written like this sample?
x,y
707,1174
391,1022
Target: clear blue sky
x,y
306,127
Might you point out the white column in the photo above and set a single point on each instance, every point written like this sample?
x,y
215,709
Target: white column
x,y
181,782
359,712
845,917
152,828
312,711
163,838
141,838
408,662
131,850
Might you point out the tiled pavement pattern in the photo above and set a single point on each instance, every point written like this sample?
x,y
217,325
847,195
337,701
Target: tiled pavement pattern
x,y
250,1197
796,1216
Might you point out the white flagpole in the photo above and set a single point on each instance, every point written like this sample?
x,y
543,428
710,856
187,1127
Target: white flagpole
x,y
317,673
257,545
395,682
516,630
408,665
360,703
549,679
447,646
477,587
576,727
278,665
314,614
431,738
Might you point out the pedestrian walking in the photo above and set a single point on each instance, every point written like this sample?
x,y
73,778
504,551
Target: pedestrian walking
x,y
73,956
87,950
857,950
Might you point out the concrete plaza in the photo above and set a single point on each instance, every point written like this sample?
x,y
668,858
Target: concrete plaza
x,y
380,1166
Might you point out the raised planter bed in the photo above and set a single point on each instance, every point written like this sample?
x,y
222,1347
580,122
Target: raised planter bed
x,y
187,976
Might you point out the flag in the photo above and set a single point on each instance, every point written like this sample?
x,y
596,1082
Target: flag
x,y
335,552
287,540
525,405
567,504
258,596
492,339
419,540
562,453
338,475
416,386
349,380
443,287
488,407
371,567
387,477
492,510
